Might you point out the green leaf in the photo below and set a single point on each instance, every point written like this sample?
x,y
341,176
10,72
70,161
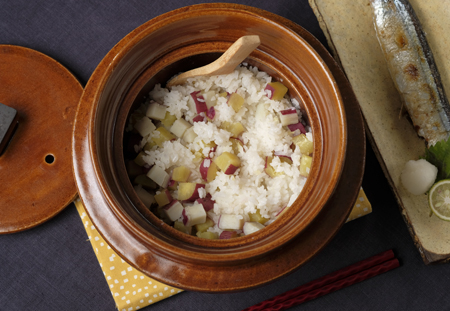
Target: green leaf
x,y
439,155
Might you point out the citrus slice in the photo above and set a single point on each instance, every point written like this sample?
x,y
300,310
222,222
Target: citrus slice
x,y
439,199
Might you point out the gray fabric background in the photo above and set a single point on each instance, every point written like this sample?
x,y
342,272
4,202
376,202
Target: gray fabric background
x,y
53,267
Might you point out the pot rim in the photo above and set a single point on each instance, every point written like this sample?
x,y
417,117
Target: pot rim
x,y
93,91
279,226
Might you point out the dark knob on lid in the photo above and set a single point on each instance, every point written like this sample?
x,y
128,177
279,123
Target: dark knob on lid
x,y
9,121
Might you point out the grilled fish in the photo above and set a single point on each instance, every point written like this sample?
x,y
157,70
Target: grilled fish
x,y
412,67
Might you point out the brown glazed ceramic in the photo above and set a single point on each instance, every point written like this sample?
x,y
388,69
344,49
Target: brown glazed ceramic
x,y
181,40
36,178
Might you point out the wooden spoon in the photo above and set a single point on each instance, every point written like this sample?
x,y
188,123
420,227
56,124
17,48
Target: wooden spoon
x,y
225,64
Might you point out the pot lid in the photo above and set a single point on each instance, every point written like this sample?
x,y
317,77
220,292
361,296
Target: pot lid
x,y
39,99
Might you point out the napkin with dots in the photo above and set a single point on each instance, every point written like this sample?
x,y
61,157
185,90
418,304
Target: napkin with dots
x,y
130,288
133,290
361,207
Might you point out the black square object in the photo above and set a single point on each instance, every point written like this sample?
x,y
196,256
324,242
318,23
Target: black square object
x,y
8,123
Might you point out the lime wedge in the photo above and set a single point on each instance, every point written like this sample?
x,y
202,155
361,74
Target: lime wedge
x,y
439,199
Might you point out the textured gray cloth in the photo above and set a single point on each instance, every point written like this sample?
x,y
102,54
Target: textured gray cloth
x,y
53,266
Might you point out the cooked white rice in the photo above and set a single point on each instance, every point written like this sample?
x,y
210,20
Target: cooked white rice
x,y
250,188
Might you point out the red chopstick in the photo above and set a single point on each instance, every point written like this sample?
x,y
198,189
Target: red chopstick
x,y
353,274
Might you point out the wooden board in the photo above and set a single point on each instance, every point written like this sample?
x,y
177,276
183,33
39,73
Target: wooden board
x,y
348,26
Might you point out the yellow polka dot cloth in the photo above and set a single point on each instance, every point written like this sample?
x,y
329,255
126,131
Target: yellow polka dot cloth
x,y
132,289
362,207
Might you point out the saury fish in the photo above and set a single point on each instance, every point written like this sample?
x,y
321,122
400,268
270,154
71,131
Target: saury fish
x,y
412,67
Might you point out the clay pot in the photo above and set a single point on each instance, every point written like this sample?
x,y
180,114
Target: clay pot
x,y
171,43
